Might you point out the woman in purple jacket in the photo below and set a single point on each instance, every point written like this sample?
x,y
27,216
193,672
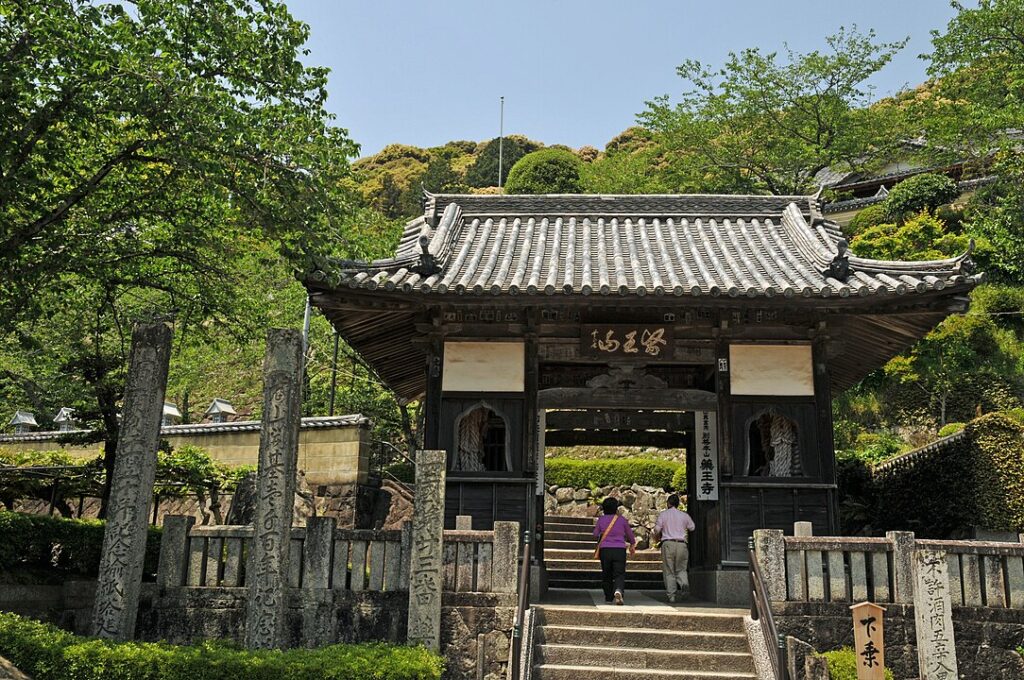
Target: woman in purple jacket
x,y
612,549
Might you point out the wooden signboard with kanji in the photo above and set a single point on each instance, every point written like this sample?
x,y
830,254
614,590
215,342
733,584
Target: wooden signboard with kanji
x,y
869,640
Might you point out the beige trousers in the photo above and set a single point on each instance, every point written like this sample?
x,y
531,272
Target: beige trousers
x,y
675,558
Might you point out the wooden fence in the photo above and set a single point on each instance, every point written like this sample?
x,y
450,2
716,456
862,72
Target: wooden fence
x,y
325,557
853,569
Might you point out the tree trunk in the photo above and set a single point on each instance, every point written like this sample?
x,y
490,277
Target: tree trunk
x,y
407,430
107,401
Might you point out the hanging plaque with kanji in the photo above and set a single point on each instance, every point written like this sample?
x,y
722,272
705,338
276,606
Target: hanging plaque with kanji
x,y
707,456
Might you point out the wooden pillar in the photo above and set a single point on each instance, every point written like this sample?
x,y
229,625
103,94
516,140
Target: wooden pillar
x,y
823,419
533,455
435,371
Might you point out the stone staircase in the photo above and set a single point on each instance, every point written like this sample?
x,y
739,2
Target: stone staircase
x,y
568,549
636,643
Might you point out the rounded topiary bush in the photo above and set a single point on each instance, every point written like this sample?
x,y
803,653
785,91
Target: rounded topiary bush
x,y
548,171
870,216
582,474
679,479
950,428
926,191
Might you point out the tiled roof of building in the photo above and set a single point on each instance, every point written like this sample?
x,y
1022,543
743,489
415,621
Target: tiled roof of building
x,y
634,245
353,420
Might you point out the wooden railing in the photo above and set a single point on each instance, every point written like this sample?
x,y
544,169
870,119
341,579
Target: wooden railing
x,y
854,569
322,556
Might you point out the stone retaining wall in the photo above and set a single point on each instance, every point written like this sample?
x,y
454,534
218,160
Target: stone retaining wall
x,y
642,505
985,638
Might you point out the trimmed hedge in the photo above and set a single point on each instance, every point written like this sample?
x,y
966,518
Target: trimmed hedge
x,y
70,546
842,665
973,480
48,653
619,472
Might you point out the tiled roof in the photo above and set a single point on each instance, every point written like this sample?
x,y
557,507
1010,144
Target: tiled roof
x,y
353,420
634,245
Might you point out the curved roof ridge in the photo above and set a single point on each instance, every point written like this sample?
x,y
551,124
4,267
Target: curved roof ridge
x,y
814,243
960,264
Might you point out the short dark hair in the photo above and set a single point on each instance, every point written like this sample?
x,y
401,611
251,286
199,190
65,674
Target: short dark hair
x,y
673,501
610,505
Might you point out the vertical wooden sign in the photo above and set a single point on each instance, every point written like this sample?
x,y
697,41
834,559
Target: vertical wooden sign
x,y
869,640
707,456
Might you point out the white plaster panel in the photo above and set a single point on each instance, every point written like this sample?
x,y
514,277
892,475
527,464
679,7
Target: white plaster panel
x,y
483,367
771,370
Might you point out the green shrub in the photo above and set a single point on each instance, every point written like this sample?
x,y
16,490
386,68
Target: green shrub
x,y
974,481
548,171
868,217
875,447
622,472
70,546
679,479
926,191
403,471
48,653
950,428
842,665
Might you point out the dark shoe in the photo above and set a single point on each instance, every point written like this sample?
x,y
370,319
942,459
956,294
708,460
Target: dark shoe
x,y
672,597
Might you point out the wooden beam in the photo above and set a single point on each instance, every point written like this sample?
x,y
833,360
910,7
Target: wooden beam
x,y
586,397
617,419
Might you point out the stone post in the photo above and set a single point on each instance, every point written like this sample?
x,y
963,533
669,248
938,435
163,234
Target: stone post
x,y
933,616
131,490
902,565
505,559
425,567
803,529
318,546
463,522
173,551
770,549
267,579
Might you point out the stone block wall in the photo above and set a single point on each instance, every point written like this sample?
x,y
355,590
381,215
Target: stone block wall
x,y
641,505
986,639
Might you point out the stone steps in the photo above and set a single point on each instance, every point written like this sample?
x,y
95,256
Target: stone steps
x,y
640,644
640,638
584,555
594,567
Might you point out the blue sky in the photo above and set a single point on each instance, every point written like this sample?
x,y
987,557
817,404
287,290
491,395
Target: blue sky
x,y
572,72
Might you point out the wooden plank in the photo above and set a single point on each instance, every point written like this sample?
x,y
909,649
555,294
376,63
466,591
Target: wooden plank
x,y
214,552
615,419
464,567
392,565
837,577
483,567
196,554
376,566
232,563
995,584
357,558
796,575
970,573
295,563
858,577
1015,581
339,571
449,556
815,576
956,586
881,591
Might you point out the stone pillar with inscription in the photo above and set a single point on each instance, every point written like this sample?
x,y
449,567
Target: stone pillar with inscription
x,y
267,577
124,539
933,616
425,570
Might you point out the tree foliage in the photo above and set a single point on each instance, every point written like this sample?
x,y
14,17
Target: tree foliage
x,y
548,171
924,192
484,170
765,124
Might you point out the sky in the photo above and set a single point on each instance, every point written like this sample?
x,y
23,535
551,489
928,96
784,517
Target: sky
x,y
572,72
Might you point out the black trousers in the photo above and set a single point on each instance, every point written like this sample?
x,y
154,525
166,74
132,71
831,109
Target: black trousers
x,y
613,571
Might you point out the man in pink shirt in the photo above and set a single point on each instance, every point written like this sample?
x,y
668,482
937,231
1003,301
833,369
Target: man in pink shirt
x,y
672,529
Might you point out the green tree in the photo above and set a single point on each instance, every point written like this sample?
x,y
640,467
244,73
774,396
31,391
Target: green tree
x,y
548,171
148,148
761,124
484,170
923,237
926,191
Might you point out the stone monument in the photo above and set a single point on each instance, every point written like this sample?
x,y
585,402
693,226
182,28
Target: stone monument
x,y
933,616
267,577
131,490
425,570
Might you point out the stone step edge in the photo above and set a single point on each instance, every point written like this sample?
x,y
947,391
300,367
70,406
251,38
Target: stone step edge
x,y
648,650
657,631
611,672
738,615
